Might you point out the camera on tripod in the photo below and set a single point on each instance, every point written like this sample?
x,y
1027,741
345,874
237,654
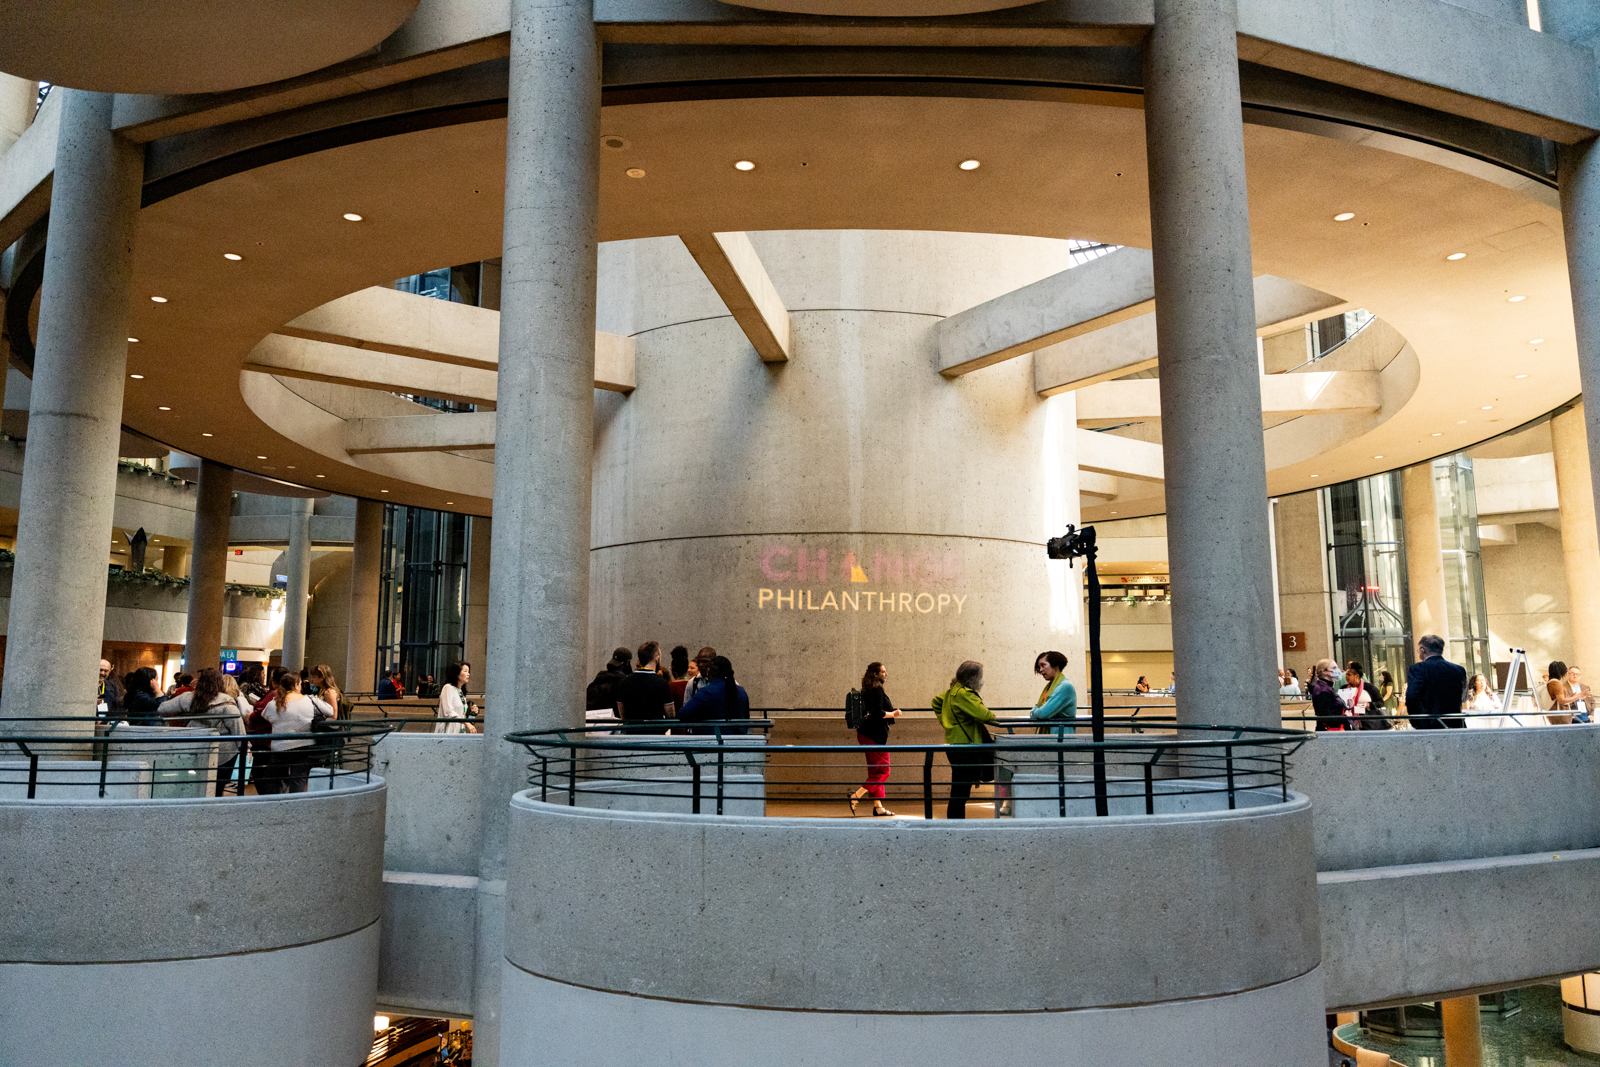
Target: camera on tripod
x,y
1072,545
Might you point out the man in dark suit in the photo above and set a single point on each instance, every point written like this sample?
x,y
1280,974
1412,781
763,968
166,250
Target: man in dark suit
x,y
645,694
1435,688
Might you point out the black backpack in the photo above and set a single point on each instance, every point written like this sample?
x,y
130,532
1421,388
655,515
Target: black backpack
x,y
855,709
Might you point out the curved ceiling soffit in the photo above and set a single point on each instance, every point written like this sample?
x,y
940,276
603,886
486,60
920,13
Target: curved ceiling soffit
x,y
881,8
113,46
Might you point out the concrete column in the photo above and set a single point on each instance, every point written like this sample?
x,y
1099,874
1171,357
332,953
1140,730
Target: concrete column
x,y
69,475
476,650
1215,461
16,108
539,606
1424,557
1303,605
298,565
208,582
1580,548
1463,1036
175,560
366,569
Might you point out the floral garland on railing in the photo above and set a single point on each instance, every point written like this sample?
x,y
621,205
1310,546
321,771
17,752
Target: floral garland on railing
x,y
152,577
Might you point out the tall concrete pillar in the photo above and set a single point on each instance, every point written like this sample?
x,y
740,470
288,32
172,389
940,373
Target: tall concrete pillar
x,y
1303,606
299,587
69,475
539,606
1580,547
208,580
366,572
1424,555
1463,1032
476,649
1215,461
17,96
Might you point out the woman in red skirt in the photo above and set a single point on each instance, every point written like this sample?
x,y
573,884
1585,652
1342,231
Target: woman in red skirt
x,y
878,714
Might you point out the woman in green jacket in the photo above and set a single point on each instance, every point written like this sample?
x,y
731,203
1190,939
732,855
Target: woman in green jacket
x,y
962,714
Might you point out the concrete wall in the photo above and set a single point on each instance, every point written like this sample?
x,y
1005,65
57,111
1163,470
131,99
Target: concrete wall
x,y
943,504
328,614
198,913
1525,588
1303,605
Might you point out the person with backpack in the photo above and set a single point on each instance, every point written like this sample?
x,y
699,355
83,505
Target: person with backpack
x,y
875,713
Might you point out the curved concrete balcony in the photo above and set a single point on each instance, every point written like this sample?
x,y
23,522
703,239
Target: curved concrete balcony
x,y
247,927
1446,859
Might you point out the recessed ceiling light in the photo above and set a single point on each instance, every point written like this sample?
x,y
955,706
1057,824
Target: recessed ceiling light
x,y
138,376
261,457
322,476
1487,407
1515,299
744,164
1519,375
207,435
155,540
1437,435
635,172
1537,341
383,490
232,255
351,216
1344,216
133,340
449,501
1377,457
158,300
970,164
1461,422
163,408
1316,476
1453,256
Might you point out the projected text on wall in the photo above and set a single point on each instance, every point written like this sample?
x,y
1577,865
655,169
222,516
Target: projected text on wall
x,y
808,578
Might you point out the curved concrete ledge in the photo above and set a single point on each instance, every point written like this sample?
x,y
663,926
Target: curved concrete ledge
x,y
835,915
306,1006
1428,796
551,1022
1403,934
110,881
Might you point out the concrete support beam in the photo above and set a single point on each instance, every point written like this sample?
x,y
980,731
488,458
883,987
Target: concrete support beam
x,y
320,361
1313,392
1223,643
208,582
298,565
539,604
1424,558
734,270
614,362
69,474
444,432
1099,293
1580,549
1123,457
366,567
405,324
16,108
1091,483
1129,346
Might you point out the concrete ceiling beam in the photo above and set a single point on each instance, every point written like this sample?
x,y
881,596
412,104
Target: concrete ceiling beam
x,y
1139,400
1099,485
444,432
1129,346
734,270
321,361
1080,300
405,324
1120,457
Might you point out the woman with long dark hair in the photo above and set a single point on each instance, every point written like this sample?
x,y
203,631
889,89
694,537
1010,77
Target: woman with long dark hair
x,y
721,698
452,706
877,715
208,705
143,701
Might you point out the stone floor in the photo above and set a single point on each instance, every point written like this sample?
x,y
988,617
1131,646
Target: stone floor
x,y
1529,1038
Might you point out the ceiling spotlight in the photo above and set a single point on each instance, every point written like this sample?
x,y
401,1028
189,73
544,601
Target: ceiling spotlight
x,y
207,435
635,172
1537,341
138,376
1377,457
163,408
158,300
1519,376
322,476
744,164
1453,256
1487,407
449,501
1436,435
1516,299
133,340
1316,476
1461,422
1344,216
351,216
261,457
291,466
970,164
383,490
232,255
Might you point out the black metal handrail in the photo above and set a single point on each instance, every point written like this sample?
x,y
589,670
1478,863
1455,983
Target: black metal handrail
x,y
1368,721
641,761
193,761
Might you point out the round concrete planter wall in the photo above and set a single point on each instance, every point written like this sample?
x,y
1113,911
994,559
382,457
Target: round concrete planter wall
x,y
247,927
850,933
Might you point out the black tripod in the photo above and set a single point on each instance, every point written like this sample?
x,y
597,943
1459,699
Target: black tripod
x,y
1074,544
